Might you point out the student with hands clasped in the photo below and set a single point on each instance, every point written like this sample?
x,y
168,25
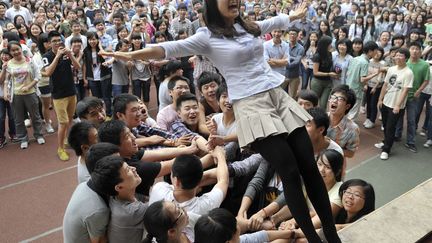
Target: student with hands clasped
x,y
269,121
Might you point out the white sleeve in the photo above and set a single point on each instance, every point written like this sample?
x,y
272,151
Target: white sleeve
x,y
281,22
197,44
210,200
158,192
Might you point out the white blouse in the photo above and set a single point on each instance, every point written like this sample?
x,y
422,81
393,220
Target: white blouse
x,y
239,59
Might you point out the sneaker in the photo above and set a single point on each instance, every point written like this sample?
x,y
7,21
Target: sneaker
x,y
369,125
49,128
363,110
428,144
411,147
14,139
62,154
3,142
366,122
380,117
384,156
24,145
27,122
423,133
40,140
379,145
382,128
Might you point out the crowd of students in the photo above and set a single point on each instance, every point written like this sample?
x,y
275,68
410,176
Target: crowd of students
x,y
181,176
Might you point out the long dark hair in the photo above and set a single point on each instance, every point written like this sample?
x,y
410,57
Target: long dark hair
x,y
88,49
369,200
322,47
34,39
218,226
328,32
308,42
43,38
335,160
372,25
214,22
157,222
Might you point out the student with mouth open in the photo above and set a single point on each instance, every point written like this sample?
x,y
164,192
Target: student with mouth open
x,y
269,121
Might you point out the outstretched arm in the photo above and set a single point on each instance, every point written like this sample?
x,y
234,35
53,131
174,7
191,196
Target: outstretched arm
x,y
154,52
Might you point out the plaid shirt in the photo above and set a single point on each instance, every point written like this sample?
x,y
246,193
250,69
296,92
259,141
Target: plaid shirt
x,y
179,129
147,131
346,134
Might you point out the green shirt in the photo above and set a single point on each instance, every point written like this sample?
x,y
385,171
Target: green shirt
x,y
421,73
357,68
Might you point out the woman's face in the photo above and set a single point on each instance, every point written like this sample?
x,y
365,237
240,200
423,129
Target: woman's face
x,y
313,38
155,11
23,30
323,27
228,9
378,55
93,42
47,45
398,42
123,33
20,20
162,27
41,10
160,39
35,30
342,48
399,17
136,42
419,19
385,37
326,171
359,20
342,35
353,199
49,28
179,217
5,57
51,13
183,36
16,51
124,47
386,15
370,20
414,36
357,47
272,8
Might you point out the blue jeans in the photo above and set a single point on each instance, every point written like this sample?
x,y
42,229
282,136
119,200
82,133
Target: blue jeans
x,y
6,109
424,99
307,74
411,110
140,87
102,90
119,89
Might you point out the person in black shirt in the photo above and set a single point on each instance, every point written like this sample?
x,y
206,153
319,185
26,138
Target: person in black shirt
x,y
58,66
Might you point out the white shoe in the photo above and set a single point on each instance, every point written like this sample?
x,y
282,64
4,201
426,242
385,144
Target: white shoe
x,y
40,140
366,122
380,117
428,144
24,145
382,128
384,156
423,133
49,128
370,124
379,145
27,122
363,109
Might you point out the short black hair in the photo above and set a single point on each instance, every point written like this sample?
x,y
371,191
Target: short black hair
x,y
309,95
76,40
97,152
404,51
173,81
84,105
221,89
118,15
52,34
320,118
182,6
348,93
79,135
98,21
293,29
169,68
219,225
111,131
106,174
206,78
188,169
185,97
415,43
120,103
370,46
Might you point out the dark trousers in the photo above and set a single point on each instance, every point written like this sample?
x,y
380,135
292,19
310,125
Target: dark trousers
x,y
6,110
141,89
389,120
422,101
297,160
307,74
102,90
80,90
372,102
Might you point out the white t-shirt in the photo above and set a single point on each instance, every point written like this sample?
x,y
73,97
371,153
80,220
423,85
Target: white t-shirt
x,y
198,205
164,97
221,129
333,194
397,79
82,172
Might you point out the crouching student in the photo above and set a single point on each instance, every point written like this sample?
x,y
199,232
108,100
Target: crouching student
x,y
89,223
186,175
81,136
116,132
91,109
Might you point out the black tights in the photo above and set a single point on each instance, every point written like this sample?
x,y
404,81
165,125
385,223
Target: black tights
x,y
292,157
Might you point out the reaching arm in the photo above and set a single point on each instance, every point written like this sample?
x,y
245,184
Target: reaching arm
x,y
168,153
221,169
154,52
